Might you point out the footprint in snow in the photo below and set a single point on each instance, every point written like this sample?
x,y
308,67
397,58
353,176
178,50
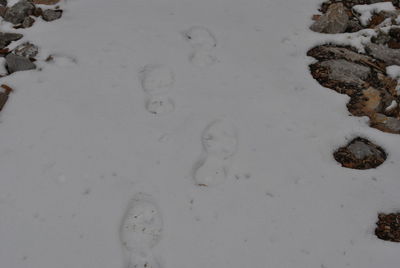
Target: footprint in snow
x,y
220,143
200,37
61,60
156,82
140,231
160,105
203,42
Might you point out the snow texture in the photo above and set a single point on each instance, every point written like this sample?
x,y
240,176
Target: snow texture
x,y
366,11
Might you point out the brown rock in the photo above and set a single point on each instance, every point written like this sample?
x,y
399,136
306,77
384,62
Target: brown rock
x,y
37,12
334,21
4,95
394,44
368,102
3,11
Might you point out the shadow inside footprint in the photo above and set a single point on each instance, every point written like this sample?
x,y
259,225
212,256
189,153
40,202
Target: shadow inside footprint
x,y
142,224
220,139
156,79
200,37
220,142
160,105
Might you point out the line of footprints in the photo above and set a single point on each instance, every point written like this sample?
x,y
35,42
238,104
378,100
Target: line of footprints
x,y
142,224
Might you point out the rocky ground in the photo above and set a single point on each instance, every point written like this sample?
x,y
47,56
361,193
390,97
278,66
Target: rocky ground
x,y
370,77
23,14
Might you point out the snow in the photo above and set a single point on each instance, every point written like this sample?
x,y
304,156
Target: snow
x,y
393,105
78,143
3,70
393,71
366,11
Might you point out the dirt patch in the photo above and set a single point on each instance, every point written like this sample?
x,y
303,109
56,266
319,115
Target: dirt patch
x,y
388,227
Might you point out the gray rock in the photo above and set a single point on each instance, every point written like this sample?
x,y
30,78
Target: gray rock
x,y
334,21
362,150
17,63
26,50
393,124
381,52
50,14
7,38
385,123
18,12
28,22
328,52
347,72
360,153
354,26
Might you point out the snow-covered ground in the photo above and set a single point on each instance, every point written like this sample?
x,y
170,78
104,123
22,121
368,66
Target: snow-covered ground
x,y
78,142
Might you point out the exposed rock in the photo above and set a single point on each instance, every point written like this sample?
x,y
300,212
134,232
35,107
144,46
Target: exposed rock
x,y
328,52
3,3
350,3
2,11
4,95
37,12
345,71
50,14
334,21
28,22
18,12
26,50
394,42
395,33
381,38
340,75
368,102
3,69
45,2
391,39
388,227
17,63
378,18
3,99
387,84
7,38
360,153
353,26
385,123
388,55
362,76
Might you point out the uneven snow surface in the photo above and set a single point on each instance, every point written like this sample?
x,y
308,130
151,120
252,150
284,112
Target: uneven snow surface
x,y
125,114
